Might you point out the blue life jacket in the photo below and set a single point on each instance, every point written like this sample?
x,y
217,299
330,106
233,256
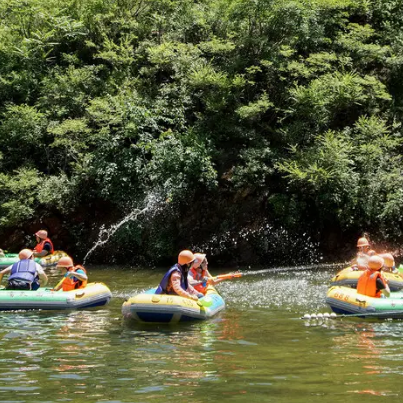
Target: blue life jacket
x,y
24,270
162,288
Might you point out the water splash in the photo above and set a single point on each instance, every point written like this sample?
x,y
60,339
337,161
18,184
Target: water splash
x,y
299,268
275,243
153,203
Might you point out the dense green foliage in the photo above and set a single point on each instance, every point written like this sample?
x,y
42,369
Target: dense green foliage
x,y
292,108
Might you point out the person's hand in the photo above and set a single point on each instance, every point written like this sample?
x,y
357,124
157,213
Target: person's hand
x,y
212,281
194,298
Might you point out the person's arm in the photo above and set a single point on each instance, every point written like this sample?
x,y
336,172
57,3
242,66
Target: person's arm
x,y
4,271
45,251
79,274
386,291
383,286
212,280
43,278
193,292
176,285
192,280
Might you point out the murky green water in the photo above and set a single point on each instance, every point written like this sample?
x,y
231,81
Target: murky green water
x,y
257,350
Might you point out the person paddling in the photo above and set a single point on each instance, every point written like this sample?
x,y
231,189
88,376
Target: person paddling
x,y
74,277
175,280
25,274
44,244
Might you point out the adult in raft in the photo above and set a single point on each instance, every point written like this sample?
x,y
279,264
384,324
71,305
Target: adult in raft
x,y
199,276
363,254
74,276
371,282
44,244
25,274
175,280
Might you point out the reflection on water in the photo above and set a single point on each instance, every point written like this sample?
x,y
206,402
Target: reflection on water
x,y
258,349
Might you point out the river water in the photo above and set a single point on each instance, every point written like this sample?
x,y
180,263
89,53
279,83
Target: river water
x,y
258,349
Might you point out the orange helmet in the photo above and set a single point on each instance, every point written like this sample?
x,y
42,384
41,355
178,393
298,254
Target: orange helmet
x,y
362,242
43,234
375,263
199,257
25,254
388,259
186,257
65,262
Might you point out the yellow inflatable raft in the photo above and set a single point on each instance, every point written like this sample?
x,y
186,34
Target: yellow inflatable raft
x,y
162,308
349,277
346,301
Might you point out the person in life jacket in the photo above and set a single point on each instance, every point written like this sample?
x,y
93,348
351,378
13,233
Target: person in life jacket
x,y
371,282
175,280
199,276
74,277
44,244
25,274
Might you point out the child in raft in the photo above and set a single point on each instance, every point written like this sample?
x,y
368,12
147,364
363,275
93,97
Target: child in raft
x,y
199,276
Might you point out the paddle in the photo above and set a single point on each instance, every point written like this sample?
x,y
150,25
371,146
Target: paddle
x,y
60,282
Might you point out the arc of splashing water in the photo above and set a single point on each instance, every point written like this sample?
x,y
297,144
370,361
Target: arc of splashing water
x,y
105,234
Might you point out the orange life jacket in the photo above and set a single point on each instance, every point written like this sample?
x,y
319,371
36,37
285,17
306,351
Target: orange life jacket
x,y
367,283
39,247
69,283
197,276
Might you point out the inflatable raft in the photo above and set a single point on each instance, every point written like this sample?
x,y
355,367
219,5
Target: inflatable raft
x,y
94,294
346,301
349,277
162,308
46,261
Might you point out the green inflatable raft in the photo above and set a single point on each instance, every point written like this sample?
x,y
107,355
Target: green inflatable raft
x,y
94,294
